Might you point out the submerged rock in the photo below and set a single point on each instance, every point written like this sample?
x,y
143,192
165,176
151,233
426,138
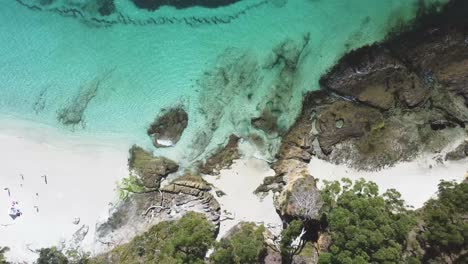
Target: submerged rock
x,y
151,170
167,129
222,158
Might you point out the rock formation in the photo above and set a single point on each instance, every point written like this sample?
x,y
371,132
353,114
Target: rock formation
x,y
167,129
150,170
394,100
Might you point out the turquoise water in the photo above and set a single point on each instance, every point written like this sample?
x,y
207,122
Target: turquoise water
x,y
120,74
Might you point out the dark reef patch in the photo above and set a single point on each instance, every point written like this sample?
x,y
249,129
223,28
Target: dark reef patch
x,y
181,4
41,100
105,15
106,7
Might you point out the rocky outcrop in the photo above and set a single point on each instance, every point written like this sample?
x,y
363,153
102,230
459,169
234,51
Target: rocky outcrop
x,y
379,105
394,100
151,170
296,195
167,129
139,212
222,158
300,199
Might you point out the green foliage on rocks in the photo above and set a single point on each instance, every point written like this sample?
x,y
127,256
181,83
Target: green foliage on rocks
x,y
365,227
245,245
129,185
183,241
288,235
3,250
445,221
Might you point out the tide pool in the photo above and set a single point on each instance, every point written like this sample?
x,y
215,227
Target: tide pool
x,y
94,75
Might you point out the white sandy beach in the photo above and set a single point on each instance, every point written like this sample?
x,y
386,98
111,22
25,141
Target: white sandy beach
x,y
81,176
416,181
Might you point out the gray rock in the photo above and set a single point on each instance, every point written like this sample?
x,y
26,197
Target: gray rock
x,y
167,129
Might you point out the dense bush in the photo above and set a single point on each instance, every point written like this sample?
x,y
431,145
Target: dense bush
x,y
245,245
365,227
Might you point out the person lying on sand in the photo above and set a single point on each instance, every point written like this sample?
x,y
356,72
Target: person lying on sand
x,y
14,211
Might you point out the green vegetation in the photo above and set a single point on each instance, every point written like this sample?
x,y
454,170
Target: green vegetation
x,y
245,245
365,227
129,185
183,241
51,256
445,222
3,250
288,235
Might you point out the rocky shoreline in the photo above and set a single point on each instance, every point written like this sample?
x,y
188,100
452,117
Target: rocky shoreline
x,y
379,105
386,103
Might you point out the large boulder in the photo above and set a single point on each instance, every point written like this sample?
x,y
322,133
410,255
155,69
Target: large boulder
x,y
167,129
151,170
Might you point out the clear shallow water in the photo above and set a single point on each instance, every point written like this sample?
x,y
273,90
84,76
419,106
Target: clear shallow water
x,y
120,76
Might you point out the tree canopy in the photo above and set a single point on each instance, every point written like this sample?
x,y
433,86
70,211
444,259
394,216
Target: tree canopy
x,y
365,227
245,245
445,221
